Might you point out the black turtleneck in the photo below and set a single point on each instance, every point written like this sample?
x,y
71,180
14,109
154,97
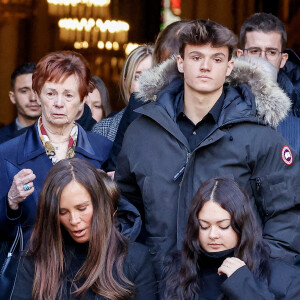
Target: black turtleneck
x,y
75,255
209,279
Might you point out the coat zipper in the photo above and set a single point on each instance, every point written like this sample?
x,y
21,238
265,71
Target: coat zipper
x,y
258,183
177,175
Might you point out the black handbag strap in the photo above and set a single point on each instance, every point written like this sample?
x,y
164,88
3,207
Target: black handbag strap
x,y
18,240
11,265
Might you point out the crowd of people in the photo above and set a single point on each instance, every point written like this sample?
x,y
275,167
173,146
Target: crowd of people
x,y
192,191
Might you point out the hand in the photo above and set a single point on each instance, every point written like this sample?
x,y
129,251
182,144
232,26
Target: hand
x,y
17,194
230,265
111,174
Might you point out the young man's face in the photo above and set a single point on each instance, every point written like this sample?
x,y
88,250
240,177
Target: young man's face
x,y
24,98
205,68
265,41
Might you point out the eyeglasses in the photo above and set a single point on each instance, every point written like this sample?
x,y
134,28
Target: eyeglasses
x,y
269,53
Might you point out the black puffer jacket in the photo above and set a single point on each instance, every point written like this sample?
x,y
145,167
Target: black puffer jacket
x,y
158,172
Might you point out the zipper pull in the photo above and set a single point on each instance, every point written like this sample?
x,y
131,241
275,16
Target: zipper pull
x,y
178,173
183,168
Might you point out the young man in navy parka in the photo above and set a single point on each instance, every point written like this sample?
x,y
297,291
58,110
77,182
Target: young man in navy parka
x,y
197,127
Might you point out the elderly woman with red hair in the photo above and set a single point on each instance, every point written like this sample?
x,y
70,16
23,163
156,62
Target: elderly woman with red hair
x,y
61,81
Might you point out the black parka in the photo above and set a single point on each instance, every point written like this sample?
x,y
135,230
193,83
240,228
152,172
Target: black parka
x,y
158,172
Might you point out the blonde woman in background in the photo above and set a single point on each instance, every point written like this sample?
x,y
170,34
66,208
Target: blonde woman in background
x,y
139,60
166,46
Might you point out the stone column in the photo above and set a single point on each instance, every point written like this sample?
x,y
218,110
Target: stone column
x,y
8,61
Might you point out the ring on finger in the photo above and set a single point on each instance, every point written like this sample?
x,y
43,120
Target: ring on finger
x,y
26,187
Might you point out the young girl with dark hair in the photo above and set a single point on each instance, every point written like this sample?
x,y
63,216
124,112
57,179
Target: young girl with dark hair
x,y
223,254
75,250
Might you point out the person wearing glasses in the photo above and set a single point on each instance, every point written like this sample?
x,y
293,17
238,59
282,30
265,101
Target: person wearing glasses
x,y
264,35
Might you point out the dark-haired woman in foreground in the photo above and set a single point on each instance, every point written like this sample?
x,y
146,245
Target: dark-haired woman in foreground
x,y
224,255
75,250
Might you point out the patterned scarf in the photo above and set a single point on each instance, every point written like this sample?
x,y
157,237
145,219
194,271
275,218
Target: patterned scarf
x,y
50,149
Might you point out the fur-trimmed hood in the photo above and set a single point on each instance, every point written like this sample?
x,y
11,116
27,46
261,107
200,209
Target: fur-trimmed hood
x,y
272,104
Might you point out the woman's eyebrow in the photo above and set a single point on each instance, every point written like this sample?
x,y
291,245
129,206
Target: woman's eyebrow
x,y
224,220
80,204
83,203
216,222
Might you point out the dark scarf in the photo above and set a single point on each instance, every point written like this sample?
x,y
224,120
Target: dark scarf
x,y
86,121
209,280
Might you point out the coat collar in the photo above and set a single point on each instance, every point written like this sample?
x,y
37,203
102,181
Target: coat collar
x,y
271,103
30,145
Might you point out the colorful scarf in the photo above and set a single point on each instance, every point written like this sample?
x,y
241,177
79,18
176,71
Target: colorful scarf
x,y
50,149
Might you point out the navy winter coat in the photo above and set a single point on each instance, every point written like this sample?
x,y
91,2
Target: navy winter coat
x,y
289,80
27,152
10,131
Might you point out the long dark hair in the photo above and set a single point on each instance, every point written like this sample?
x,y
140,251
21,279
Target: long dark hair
x,y
101,87
107,247
184,269
166,43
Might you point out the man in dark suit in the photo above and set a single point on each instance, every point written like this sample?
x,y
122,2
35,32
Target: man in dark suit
x,y
21,95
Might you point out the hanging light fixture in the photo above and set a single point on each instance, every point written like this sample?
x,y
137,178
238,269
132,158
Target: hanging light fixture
x,y
86,23
85,33
79,8
15,8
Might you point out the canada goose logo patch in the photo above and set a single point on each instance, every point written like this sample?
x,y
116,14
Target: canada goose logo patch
x,y
287,155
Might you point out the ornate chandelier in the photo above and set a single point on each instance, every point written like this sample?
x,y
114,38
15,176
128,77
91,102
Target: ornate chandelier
x,y
86,33
86,23
15,8
79,8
